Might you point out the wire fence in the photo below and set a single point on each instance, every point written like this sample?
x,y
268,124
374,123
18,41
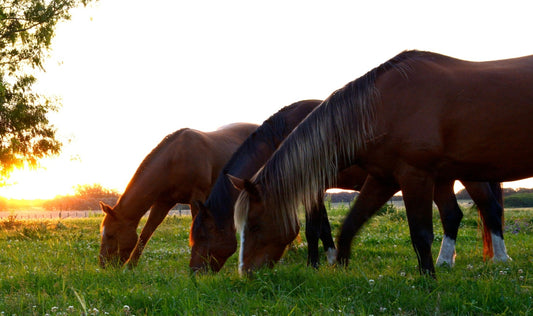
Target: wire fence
x,y
39,214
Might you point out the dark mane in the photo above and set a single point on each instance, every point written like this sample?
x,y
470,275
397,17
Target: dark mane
x,y
248,158
325,142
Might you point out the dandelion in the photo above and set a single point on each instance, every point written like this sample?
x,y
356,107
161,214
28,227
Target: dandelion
x,y
371,282
382,309
470,267
503,272
402,273
380,276
126,309
70,309
521,278
54,309
520,271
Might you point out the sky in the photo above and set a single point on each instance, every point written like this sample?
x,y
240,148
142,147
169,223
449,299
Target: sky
x,y
129,72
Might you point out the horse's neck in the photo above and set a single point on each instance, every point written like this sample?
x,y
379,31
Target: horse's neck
x,y
140,194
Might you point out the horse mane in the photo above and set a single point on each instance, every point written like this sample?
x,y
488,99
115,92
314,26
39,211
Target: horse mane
x,y
325,142
247,159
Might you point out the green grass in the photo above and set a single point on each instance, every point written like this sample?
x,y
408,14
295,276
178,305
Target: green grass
x,y
50,267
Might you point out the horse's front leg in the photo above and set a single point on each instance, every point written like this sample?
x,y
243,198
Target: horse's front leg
x,y
317,227
450,216
157,214
373,195
325,233
417,189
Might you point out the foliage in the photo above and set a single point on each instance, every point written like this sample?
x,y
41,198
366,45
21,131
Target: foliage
x,y
87,197
519,200
26,32
51,268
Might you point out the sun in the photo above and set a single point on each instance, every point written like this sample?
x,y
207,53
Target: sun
x,y
41,183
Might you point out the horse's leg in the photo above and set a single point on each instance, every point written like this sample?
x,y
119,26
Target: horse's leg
x,y
158,212
317,227
312,233
325,233
450,216
372,196
491,212
417,188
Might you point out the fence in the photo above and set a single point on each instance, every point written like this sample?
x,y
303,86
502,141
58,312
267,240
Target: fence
x,y
38,214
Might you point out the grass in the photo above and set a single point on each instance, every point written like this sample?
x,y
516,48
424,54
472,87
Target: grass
x,y
50,267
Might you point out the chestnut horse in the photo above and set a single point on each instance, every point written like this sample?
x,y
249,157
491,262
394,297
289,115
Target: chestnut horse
x,y
415,123
181,169
213,232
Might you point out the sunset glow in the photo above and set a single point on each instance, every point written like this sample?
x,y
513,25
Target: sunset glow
x,y
125,85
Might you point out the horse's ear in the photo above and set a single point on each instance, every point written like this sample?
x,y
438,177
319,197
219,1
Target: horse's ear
x,y
238,183
107,209
252,189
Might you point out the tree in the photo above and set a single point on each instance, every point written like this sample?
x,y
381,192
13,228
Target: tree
x,y
26,31
87,197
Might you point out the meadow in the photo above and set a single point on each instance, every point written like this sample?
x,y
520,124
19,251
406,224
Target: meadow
x,y
50,267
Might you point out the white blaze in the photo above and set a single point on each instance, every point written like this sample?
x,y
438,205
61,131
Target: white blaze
x,y
241,249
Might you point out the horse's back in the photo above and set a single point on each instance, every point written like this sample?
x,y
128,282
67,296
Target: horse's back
x,y
467,118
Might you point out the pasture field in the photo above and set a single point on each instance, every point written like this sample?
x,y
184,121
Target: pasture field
x,y
50,267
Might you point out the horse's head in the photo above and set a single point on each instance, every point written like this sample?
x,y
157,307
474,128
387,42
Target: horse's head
x,y
119,237
261,242
211,244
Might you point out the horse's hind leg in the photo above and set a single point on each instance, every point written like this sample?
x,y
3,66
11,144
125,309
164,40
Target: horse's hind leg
x,y
488,198
373,195
157,214
450,216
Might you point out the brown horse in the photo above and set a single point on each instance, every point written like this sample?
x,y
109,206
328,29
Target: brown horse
x,y
213,232
414,122
181,169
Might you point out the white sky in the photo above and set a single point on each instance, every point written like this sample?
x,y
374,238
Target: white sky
x,y
130,72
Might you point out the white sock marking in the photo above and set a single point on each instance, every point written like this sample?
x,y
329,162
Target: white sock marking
x,y
447,252
500,252
331,254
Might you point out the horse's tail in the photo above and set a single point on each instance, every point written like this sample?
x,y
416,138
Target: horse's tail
x,y
488,251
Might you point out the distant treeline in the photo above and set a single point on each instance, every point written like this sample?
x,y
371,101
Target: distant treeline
x,y
520,197
85,198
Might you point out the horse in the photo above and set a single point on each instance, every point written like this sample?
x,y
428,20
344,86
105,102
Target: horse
x,y
212,236
181,169
413,123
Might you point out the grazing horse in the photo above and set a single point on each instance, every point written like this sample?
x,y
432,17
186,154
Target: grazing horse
x,y
413,123
181,169
212,236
